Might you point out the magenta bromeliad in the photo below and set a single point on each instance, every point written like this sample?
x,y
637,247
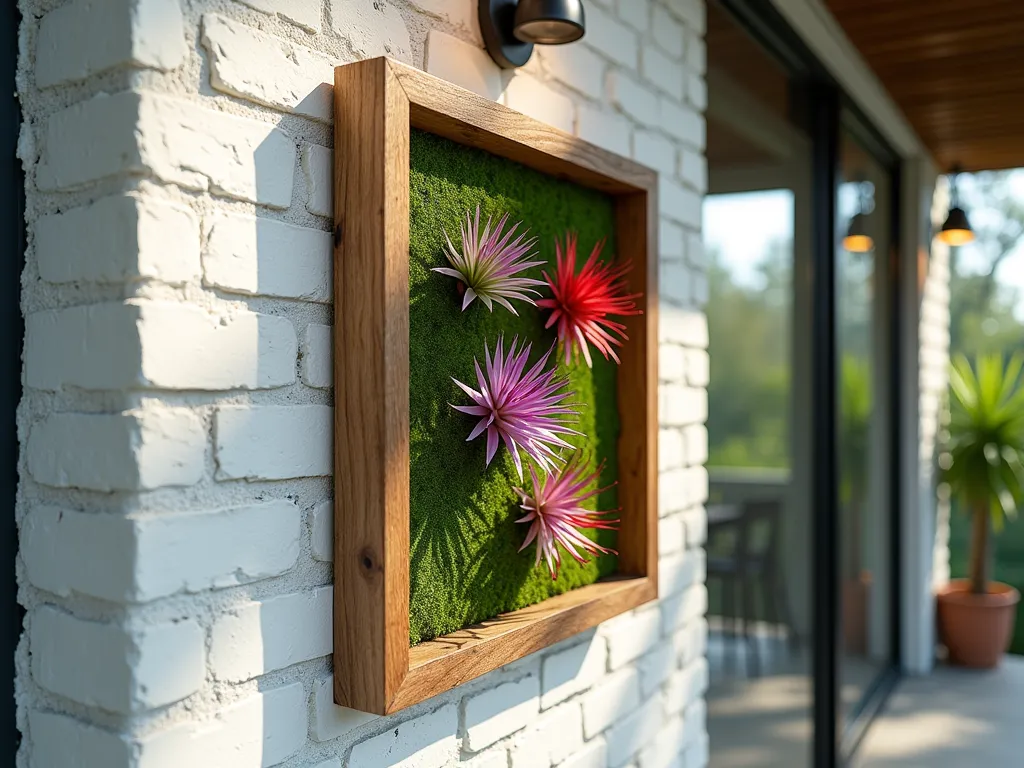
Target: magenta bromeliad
x,y
554,512
525,408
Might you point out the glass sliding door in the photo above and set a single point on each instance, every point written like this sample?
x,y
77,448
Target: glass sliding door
x,y
757,236
864,339
798,227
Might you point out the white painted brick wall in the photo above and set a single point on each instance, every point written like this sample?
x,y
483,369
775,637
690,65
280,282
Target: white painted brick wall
x,y
117,240
557,735
500,712
331,721
267,69
305,13
318,171
525,93
260,637
634,732
317,358
114,667
321,531
567,672
257,256
632,636
59,741
273,442
462,63
75,41
260,730
130,451
158,344
159,554
426,740
609,700
175,509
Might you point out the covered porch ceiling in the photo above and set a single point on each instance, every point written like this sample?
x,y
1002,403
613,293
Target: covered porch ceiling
x,y
956,69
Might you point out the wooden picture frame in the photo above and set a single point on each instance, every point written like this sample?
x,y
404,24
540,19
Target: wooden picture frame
x,y
377,102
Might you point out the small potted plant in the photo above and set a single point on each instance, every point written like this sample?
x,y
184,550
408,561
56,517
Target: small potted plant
x,y
983,465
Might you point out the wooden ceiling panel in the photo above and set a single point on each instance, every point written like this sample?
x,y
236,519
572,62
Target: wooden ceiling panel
x,y
955,67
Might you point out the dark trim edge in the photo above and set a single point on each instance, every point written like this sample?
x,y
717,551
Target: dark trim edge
x,y
12,224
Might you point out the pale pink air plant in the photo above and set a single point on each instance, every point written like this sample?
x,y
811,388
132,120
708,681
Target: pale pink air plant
x,y
555,513
489,261
524,408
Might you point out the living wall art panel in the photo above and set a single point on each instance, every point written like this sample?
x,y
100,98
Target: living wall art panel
x,y
495,372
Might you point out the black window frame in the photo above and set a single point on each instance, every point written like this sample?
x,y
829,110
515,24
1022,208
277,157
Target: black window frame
x,y
826,109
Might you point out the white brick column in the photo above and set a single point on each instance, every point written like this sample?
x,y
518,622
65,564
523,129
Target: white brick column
x,y
175,507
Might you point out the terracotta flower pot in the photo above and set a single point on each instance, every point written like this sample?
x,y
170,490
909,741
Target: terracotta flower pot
x,y
976,629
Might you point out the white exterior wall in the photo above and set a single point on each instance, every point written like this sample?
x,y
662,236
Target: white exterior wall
x,y
174,505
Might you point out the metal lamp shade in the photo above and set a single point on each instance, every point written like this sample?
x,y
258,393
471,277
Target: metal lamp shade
x,y
957,229
549,22
857,239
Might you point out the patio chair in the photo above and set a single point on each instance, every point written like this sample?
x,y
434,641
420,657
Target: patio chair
x,y
754,560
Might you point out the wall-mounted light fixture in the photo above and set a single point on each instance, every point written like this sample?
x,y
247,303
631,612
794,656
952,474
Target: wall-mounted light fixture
x,y
511,28
857,239
956,230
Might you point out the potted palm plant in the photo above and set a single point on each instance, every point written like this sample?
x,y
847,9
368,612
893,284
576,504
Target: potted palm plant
x,y
983,464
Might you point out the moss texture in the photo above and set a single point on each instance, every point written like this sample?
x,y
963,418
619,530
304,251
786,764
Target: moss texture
x,y
465,566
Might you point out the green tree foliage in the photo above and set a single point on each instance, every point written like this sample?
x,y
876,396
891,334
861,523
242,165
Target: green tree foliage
x,y
984,314
749,328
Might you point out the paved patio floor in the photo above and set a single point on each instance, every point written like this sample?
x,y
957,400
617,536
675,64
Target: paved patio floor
x,y
952,718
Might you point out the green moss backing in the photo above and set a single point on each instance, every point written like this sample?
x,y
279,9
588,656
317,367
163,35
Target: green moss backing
x,y
464,565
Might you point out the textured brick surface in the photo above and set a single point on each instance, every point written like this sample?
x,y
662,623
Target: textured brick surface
x,y
179,369
268,69
465,65
262,729
317,357
305,13
115,667
153,555
158,344
271,634
500,712
173,139
75,41
425,741
134,450
119,239
258,256
274,442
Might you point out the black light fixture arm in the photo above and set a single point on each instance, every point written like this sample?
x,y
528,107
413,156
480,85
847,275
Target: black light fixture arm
x,y
511,28
954,194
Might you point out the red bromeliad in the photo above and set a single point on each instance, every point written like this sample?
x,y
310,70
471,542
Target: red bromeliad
x,y
555,514
583,301
523,408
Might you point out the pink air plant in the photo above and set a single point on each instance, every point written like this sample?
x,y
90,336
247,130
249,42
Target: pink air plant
x,y
522,408
488,262
556,515
583,301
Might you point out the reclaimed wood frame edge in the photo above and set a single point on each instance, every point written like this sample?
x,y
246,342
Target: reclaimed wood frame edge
x,y
377,103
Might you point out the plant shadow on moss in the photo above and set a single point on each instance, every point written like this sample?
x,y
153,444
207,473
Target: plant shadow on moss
x,y
464,560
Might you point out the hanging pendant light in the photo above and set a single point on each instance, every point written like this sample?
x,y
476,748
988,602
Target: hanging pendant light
x,y
957,229
857,239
